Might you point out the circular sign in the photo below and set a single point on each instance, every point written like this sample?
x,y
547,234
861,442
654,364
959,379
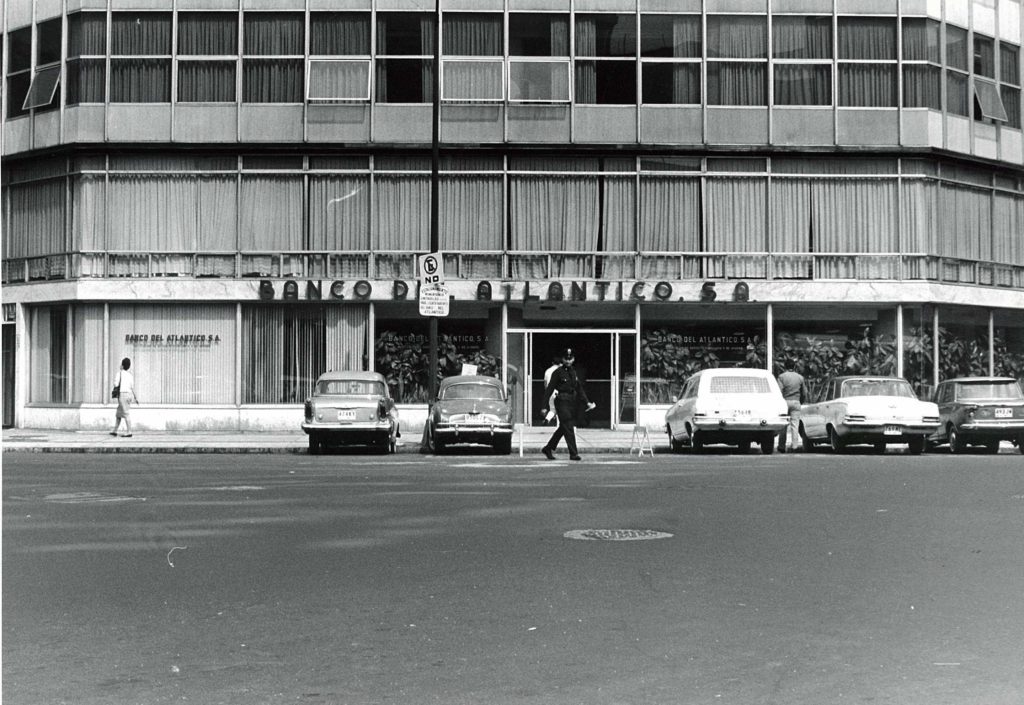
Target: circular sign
x,y
429,264
616,534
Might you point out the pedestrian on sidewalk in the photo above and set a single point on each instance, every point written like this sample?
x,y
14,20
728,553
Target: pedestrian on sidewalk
x,y
125,392
569,397
794,391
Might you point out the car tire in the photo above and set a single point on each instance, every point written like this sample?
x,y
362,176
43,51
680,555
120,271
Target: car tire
x,y
992,448
767,445
837,443
697,441
879,446
314,445
503,446
806,442
674,445
916,445
956,443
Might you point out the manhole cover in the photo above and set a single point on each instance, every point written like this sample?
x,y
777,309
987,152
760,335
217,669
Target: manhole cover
x,y
616,534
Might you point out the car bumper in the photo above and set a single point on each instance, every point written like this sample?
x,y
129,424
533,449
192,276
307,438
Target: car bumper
x,y
352,431
734,426
993,429
472,433
895,432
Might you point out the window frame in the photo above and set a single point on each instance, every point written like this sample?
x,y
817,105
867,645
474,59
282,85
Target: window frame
x,y
670,61
182,59
713,63
893,62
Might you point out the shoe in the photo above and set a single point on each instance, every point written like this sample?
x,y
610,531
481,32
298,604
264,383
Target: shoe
x,y
127,435
547,453
113,433
575,457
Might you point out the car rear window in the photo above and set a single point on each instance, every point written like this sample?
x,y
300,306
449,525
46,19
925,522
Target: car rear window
x,y
877,388
988,390
472,391
351,386
739,385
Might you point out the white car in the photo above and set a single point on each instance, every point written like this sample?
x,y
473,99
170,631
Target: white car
x,y
868,409
736,406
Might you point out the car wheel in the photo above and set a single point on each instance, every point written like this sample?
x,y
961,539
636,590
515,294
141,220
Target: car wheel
x,y
503,446
879,446
806,442
837,443
674,445
767,445
956,443
697,441
916,445
314,445
992,448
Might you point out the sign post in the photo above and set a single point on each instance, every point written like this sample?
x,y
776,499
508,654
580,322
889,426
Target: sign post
x,y
433,298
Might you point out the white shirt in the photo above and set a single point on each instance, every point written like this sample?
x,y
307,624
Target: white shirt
x,y
126,384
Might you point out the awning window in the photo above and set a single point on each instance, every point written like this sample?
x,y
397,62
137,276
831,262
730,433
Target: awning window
x,y
44,85
988,101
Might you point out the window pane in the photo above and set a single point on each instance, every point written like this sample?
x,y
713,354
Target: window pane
x,y
17,91
405,33
606,82
85,81
140,81
956,93
867,85
274,34
921,40
272,81
339,80
1009,63
605,35
539,80
404,80
339,33
737,37
208,33
1011,101
141,34
737,84
43,90
467,34
984,56
801,37
19,50
48,36
471,80
956,47
990,105
803,84
87,34
922,87
668,83
206,81
538,34
866,38
675,36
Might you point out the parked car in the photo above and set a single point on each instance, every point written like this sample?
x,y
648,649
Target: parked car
x,y
736,406
875,410
351,408
979,411
469,409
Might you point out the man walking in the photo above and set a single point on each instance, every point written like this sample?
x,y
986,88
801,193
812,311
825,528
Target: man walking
x,y
794,391
569,393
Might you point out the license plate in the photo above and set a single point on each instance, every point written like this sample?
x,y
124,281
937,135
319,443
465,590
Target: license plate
x,y
1004,413
346,415
893,430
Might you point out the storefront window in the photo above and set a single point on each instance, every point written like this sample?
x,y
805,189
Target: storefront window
x,y
89,378
1009,344
49,360
963,343
918,349
822,343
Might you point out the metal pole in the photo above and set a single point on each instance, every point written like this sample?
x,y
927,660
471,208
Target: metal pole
x,y
434,161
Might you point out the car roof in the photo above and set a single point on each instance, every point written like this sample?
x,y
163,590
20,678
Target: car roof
x,y
732,371
465,379
351,374
887,378
977,379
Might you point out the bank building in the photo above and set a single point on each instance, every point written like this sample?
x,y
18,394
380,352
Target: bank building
x,y
234,194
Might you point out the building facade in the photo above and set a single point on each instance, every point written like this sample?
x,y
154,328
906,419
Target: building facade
x,y
234,193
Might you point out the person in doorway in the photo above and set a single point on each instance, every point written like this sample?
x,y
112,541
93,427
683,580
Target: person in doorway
x,y
794,391
125,398
549,401
569,393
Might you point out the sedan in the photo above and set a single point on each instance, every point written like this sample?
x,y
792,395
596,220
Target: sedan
x,y
979,411
351,408
469,409
874,410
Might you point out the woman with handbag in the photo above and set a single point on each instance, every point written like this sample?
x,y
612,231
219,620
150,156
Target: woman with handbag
x,y
124,391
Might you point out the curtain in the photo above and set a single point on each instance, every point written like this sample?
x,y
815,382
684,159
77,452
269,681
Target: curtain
x,y
867,85
217,213
965,222
803,84
262,354
339,213
88,212
37,216
919,224
471,214
867,38
206,81
274,34
346,337
478,34
271,217
343,80
86,81
553,214
472,80
737,83
618,225
152,213
735,222
1008,61
854,216
801,37
956,47
957,102
401,213
922,86
686,36
669,222
791,227
89,381
1008,229
140,34
921,40
207,33
48,361
305,353
87,34
586,71
140,80
737,37
339,34
272,81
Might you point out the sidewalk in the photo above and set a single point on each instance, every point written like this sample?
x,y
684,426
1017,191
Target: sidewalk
x,y
34,440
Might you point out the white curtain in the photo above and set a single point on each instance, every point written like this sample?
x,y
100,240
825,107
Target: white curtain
x,y
855,216
36,219
152,213
618,225
1008,229
669,222
346,337
401,212
88,215
736,222
472,219
339,212
271,213
88,375
554,214
791,227
48,361
919,221
966,222
262,354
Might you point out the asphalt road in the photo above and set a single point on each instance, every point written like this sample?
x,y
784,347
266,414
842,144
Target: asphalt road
x,y
789,580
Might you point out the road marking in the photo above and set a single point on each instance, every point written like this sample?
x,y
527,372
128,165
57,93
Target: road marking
x,y
616,534
87,498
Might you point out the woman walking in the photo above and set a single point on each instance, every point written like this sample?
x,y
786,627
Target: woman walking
x,y
125,389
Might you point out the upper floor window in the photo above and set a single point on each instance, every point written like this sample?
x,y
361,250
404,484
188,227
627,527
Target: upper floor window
x,y
606,59
42,92
339,34
140,64
403,71
19,70
273,49
984,56
86,70
957,102
922,64
477,39
207,56
538,47
737,49
802,47
867,62
670,50
1009,78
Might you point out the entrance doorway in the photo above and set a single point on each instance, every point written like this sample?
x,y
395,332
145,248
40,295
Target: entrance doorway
x,y
605,362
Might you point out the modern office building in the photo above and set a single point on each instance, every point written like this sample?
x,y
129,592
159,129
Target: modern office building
x,y
234,193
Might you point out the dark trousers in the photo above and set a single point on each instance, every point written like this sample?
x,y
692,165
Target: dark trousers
x,y
565,408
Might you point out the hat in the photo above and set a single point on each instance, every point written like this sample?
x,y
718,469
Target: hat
x,y
568,354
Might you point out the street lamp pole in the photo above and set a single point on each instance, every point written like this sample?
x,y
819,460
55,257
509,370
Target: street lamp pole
x,y
435,157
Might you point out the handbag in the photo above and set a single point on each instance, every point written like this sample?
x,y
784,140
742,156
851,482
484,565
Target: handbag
x,y
116,392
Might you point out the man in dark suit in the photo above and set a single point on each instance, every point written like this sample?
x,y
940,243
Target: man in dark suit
x,y
569,396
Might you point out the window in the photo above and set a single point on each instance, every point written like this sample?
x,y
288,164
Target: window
x,y
86,72
207,56
867,62
984,56
338,34
474,38
922,64
664,40
737,47
140,65
404,72
603,75
19,70
538,57
1009,89
802,47
956,71
988,104
42,93
273,49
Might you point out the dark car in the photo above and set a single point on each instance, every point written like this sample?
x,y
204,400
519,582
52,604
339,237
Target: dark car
x,y
351,408
470,409
979,411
